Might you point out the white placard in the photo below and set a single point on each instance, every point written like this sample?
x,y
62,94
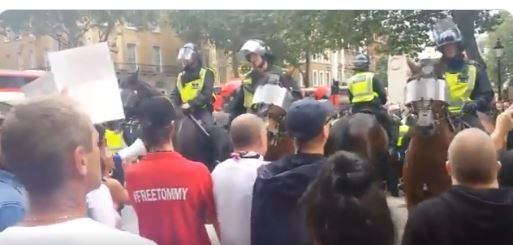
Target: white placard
x,y
87,73
398,73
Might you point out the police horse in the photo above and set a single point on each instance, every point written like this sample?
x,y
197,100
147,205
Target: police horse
x,y
433,129
192,139
271,102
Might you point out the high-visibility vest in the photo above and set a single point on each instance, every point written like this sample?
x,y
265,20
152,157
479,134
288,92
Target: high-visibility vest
x,y
114,140
190,90
403,130
360,86
248,93
461,86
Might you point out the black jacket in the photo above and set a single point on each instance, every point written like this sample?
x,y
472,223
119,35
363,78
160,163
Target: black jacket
x,y
205,95
463,216
236,106
276,215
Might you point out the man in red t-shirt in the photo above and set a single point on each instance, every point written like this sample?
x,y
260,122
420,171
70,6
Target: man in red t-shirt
x,y
172,195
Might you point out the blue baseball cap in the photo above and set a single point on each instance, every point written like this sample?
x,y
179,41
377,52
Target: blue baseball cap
x,y
306,118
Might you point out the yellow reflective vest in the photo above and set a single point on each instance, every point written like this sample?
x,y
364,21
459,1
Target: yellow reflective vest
x,y
248,93
190,90
114,140
461,85
403,130
361,87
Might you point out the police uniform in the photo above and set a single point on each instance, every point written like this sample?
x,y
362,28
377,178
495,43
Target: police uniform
x,y
469,87
243,99
367,93
114,140
197,92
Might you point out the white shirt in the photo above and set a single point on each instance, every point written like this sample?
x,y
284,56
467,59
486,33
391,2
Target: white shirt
x,y
101,207
82,231
233,182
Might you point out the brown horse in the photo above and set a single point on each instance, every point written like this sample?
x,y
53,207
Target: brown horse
x,y
361,134
424,172
279,143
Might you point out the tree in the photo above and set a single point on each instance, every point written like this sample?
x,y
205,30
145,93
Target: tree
x,y
296,35
505,32
67,27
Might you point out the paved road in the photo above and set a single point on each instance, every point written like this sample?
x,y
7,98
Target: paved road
x,y
397,207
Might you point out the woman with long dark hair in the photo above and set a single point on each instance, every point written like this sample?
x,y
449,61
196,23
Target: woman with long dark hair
x,y
345,205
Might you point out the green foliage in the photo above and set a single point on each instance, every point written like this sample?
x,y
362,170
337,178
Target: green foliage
x,y
504,31
381,70
68,26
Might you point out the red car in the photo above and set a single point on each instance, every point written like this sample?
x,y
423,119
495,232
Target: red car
x,y
224,93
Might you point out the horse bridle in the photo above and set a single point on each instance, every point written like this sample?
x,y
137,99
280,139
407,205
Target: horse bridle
x,y
438,116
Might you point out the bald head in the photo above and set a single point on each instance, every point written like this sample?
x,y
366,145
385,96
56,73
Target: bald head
x,y
473,158
247,131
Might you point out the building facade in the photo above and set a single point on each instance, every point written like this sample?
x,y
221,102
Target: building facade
x,y
154,52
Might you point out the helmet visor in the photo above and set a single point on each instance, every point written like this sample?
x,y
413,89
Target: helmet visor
x,y
446,32
185,54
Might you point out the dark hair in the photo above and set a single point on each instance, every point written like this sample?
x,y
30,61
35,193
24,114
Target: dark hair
x,y
101,133
101,142
38,140
344,205
156,115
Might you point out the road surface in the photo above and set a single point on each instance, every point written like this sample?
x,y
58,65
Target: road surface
x,y
397,207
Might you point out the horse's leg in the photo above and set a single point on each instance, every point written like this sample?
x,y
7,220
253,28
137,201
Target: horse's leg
x,y
413,186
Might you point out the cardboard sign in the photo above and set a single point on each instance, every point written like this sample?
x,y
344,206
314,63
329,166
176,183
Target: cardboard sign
x,y
87,73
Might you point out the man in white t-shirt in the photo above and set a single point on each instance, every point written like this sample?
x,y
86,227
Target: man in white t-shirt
x,y
101,207
51,146
233,179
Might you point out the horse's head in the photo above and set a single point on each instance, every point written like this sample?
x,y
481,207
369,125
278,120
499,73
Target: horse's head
x,y
271,102
133,89
427,97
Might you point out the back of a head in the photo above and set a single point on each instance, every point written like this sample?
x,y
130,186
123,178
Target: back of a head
x,y
156,115
344,205
473,158
245,130
39,138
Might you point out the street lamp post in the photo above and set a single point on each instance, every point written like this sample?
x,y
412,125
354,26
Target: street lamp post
x,y
499,51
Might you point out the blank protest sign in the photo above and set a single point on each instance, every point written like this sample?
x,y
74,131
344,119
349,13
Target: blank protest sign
x,y
88,75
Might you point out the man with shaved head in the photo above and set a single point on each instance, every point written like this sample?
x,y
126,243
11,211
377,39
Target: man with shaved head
x,y
474,210
234,178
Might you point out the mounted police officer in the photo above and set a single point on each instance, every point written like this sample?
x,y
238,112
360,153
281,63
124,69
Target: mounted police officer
x,y
263,70
194,92
469,88
367,94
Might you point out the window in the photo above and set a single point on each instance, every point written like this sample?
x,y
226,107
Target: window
x,y
314,80
157,58
321,78
328,77
132,56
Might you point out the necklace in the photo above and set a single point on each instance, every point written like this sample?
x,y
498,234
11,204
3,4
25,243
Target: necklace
x,y
52,220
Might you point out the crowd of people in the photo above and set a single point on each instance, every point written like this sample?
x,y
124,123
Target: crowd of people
x,y
60,183
56,186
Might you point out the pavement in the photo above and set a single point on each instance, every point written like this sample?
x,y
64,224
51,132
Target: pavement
x,y
397,207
